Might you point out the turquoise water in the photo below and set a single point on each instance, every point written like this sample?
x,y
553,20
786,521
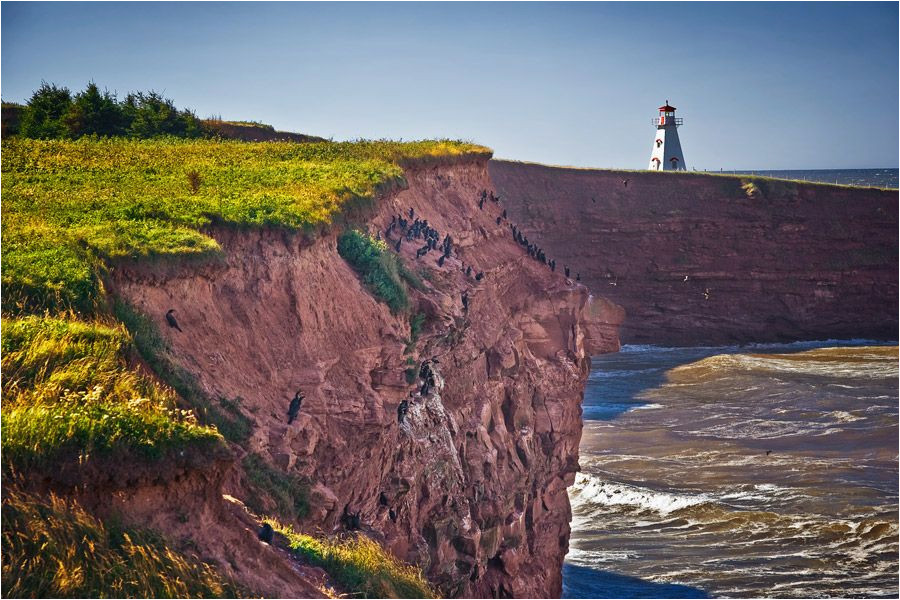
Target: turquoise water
x,y
738,472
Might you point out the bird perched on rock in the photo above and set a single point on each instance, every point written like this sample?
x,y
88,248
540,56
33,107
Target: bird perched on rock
x,y
352,521
402,409
266,533
170,319
294,407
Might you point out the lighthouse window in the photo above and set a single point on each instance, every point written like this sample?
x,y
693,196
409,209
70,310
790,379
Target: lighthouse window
x,y
658,143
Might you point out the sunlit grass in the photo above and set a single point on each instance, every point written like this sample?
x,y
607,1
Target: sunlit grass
x,y
68,393
54,549
362,567
69,206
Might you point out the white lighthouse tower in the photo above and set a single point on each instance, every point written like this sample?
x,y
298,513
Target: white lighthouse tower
x,y
666,154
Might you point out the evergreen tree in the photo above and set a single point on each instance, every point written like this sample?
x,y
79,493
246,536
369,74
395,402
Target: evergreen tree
x,y
44,117
151,115
94,113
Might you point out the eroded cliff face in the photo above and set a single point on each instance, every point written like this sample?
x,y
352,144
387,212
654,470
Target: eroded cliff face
x,y
697,259
476,476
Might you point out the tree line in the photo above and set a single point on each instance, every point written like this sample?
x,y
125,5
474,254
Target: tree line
x,y
55,113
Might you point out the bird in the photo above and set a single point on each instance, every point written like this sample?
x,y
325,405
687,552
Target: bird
x,y
768,452
685,278
170,319
294,407
266,533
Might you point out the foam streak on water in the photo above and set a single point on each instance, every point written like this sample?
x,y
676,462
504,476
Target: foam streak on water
x,y
755,471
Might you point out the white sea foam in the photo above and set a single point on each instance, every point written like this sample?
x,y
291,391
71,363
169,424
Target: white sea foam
x,y
647,407
843,416
589,490
589,558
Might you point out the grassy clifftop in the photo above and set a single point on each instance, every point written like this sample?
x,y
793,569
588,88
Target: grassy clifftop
x,y
68,205
74,390
71,206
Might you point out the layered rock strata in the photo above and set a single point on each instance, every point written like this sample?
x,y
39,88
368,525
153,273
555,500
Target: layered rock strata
x,y
703,259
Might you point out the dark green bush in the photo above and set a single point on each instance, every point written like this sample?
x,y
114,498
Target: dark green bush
x,y
44,117
52,113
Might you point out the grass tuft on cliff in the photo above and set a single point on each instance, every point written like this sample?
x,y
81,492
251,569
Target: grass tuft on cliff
x,y
68,393
54,549
70,206
288,494
381,270
362,567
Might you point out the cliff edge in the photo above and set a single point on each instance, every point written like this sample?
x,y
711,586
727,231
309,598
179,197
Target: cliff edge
x,y
707,259
471,483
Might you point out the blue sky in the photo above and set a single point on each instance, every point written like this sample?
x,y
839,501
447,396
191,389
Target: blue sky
x,y
760,85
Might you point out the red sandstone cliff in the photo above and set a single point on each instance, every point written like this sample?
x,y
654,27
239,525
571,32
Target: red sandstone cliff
x,y
477,475
700,259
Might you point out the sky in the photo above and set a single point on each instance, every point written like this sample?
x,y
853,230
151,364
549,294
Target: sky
x,y
759,85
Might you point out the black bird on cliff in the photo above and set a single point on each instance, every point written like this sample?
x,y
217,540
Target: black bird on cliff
x,y
170,319
294,407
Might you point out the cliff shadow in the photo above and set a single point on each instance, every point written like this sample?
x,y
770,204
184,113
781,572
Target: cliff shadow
x,y
585,582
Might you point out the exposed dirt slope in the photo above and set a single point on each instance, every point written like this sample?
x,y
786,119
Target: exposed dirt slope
x,y
256,133
698,259
477,474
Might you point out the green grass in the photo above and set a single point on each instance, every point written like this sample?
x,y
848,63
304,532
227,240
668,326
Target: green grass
x,y
224,414
54,549
362,567
68,393
70,206
381,270
290,495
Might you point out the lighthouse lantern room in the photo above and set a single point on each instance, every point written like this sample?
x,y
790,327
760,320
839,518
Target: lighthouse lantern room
x,y
666,154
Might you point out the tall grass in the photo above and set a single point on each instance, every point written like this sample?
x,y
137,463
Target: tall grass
x,y
54,549
362,567
68,393
69,206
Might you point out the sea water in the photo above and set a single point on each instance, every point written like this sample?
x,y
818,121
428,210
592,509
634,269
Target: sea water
x,y
884,178
738,472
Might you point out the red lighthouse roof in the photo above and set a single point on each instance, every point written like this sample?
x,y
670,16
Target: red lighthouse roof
x,y
666,108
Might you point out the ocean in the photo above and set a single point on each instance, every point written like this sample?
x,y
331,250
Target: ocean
x,y
768,470
883,178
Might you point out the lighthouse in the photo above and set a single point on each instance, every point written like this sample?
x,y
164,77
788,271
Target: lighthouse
x,y
666,154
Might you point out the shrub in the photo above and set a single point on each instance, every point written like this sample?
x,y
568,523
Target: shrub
x,y
360,565
54,549
289,494
379,268
194,181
